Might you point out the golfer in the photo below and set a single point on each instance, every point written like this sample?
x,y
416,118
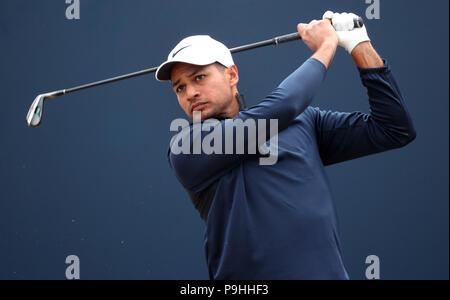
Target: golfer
x,y
278,221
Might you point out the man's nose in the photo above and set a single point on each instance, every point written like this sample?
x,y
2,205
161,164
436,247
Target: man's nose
x,y
192,92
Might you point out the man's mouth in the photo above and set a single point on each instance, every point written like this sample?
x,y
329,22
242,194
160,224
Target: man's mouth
x,y
198,106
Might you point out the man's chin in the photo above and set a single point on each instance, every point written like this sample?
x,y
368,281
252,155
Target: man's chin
x,y
202,114
207,114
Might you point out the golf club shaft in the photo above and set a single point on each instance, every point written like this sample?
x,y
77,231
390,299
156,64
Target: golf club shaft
x,y
114,79
275,41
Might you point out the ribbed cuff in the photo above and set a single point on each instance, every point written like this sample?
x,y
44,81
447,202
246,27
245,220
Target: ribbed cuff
x,y
382,69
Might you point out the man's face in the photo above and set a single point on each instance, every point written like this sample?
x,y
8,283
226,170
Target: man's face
x,y
209,89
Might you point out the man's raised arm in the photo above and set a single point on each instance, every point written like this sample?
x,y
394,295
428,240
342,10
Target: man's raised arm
x,y
346,136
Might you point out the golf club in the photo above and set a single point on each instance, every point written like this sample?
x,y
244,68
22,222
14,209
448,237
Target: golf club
x,y
34,115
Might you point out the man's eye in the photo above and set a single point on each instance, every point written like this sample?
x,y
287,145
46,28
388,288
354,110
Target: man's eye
x,y
200,77
180,88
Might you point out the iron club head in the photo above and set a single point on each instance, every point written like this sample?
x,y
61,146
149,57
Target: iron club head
x,y
34,115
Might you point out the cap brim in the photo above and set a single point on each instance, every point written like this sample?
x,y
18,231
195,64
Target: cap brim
x,y
164,71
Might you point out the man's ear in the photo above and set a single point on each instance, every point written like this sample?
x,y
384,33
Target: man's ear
x,y
232,75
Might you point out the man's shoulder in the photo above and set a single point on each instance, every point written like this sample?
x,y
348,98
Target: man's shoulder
x,y
310,114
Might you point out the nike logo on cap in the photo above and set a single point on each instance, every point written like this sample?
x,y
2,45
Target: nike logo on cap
x,y
180,50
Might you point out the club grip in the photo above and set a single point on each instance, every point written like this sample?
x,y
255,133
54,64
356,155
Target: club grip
x,y
287,38
358,22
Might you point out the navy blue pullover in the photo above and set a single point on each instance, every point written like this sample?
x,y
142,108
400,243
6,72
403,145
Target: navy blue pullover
x,y
279,221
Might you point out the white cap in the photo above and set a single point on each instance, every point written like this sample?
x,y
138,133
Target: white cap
x,y
201,50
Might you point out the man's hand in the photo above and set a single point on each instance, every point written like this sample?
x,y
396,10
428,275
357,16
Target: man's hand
x,y
321,38
355,40
349,37
317,34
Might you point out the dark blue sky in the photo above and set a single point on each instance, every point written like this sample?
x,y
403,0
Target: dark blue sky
x,y
94,181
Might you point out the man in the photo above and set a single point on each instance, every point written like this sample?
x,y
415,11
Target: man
x,y
278,221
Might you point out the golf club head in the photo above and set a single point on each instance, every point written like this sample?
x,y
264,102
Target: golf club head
x,y
34,115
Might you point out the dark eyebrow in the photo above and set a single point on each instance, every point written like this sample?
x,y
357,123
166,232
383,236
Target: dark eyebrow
x,y
190,75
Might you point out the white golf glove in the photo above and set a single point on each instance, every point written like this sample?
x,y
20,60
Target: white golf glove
x,y
349,37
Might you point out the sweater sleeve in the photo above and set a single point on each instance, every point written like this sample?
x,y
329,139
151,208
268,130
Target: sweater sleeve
x,y
197,171
346,136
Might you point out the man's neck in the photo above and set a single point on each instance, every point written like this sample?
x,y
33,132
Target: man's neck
x,y
234,109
